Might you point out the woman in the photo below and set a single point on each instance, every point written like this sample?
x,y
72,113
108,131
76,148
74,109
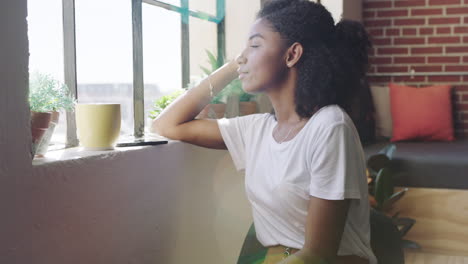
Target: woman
x,y
304,164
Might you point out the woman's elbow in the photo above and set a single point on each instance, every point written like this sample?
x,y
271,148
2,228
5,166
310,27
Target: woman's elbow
x,y
158,127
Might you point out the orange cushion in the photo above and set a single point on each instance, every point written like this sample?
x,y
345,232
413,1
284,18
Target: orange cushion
x,y
421,113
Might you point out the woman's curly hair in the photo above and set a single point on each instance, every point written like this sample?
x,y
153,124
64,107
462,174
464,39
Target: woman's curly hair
x,y
334,59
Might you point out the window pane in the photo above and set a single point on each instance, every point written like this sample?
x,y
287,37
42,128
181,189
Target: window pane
x,y
162,54
172,2
206,6
203,37
104,55
45,34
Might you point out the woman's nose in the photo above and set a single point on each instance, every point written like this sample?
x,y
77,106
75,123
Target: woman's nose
x,y
241,59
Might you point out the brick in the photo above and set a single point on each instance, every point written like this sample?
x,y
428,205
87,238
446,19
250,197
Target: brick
x,y
380,60
380,4
377,23
379,79
465,78
398,60
445,59
458,10
444,30
444,20
409,31
381,41
409,79
464,97
465,39
409,41
460,30
456,68
409,21
456,49
425,12
444,78
392,13
428,50
372,69
368,14
393,50
427,68
461,88
392,69
441,40
392,32
426,31
444,2
376,32
408,3
461,106
466,20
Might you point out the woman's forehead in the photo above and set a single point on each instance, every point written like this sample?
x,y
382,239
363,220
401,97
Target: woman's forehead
x,y
262,28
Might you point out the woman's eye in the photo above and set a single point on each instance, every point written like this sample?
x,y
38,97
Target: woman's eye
x,y
254,46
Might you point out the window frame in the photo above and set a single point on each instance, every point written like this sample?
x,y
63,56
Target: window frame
x,y
69,43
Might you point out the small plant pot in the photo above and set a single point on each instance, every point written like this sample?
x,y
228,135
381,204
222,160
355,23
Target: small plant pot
x,y
44,144
39,124
247,108
215,111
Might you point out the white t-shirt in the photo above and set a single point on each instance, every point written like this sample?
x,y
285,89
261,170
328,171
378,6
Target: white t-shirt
x,y
325,160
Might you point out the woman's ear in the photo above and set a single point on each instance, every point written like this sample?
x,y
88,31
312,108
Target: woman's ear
x,y
293,54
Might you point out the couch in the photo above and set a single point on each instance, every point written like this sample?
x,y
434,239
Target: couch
x,y
429,164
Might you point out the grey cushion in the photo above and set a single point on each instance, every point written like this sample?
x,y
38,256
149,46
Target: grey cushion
x,y
429,164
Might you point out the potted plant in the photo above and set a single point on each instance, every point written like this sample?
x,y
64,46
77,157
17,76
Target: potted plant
x,y
47,97
380,174
163,102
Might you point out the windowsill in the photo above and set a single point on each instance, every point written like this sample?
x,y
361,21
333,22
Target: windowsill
x,y
79,153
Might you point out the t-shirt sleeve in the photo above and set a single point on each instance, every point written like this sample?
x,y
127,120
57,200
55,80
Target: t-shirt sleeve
x,y
235,132
336,165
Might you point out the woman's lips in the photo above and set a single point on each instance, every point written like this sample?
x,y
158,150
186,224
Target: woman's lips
x,y
242,75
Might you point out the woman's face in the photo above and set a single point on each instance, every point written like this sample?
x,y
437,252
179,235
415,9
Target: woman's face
x,y
262,64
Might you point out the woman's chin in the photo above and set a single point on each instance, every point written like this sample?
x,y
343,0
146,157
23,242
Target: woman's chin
x,y
250,90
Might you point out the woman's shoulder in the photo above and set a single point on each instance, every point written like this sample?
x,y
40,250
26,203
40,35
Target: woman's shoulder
x,y
330,116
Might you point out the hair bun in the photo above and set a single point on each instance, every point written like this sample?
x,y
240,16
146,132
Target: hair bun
x,y
352,39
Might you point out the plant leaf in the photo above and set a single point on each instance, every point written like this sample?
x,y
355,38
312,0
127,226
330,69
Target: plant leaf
x,y
205,70
409,244
378,162
212,60
383,187
404,224
393,199
388,150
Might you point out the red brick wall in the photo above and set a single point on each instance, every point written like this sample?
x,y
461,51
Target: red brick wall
x,y
424,35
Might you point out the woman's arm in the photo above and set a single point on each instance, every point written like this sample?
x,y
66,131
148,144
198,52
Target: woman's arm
x,y
177,120
324,227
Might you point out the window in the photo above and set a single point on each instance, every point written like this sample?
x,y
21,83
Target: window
x,y
162,69
118,50
104,55
173,58
45,33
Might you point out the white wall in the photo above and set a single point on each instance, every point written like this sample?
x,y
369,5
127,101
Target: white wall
x,y
240,14
348,9
139,206
238,21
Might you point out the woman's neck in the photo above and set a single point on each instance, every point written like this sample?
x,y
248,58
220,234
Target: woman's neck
x,y
282,99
